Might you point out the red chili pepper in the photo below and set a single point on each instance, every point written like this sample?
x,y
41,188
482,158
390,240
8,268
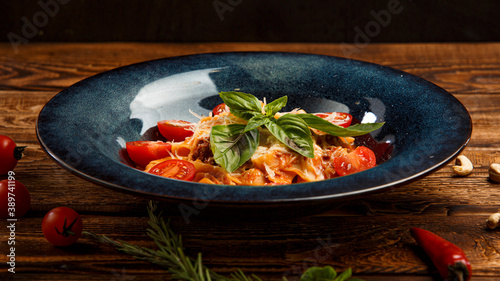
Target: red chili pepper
x,y
448,258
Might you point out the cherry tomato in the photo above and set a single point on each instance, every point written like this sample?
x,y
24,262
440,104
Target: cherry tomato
x,y
383,150
219,109
62,226
143,152
175,130
9,153
175,169
15,198
362,158
338,118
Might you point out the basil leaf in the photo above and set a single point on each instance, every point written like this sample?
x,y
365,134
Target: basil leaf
x,y
245,115
255,122
275,106
317,273
346,275
292,131
231,146
241,101
321,124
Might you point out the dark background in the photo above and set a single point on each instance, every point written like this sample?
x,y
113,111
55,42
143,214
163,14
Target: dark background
x,y
348,21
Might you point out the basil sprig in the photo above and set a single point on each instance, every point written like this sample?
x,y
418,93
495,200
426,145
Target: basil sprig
x,y
233,145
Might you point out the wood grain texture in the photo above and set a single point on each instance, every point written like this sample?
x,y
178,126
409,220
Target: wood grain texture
x,y
368,234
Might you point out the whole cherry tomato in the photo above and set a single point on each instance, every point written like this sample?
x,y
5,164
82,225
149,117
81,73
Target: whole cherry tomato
x,y
62,226
175,130
175,169
9,154
362,158
143,152
15,198
338,118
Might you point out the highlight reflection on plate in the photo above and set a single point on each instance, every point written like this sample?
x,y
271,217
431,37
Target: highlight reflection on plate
x,y
85,126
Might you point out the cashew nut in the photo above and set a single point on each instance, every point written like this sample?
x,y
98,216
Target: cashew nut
x,y
494,172
463,166
493,220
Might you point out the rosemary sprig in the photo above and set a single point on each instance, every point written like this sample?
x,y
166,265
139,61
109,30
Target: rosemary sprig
x,y
170,253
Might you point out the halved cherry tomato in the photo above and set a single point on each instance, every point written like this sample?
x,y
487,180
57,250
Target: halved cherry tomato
x,y
338,118
362,158
175,169
219,109
175,130
383,150
143,152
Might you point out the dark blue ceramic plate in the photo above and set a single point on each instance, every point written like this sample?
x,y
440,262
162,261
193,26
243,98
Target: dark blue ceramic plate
x,y
85,127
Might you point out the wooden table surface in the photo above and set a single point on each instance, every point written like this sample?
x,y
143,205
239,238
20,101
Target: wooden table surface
x,y
369,235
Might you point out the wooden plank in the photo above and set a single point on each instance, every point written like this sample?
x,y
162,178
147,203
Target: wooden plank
x,y
455,67
375,246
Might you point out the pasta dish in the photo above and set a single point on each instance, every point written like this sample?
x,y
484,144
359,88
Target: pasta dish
x,y
245,141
